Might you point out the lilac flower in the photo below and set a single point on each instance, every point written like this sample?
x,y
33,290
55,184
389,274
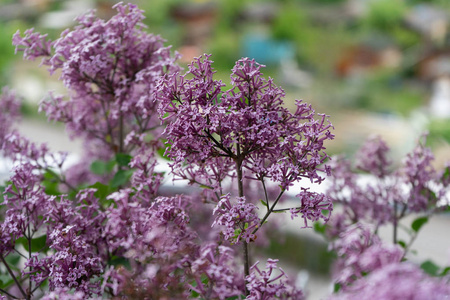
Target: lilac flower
x,y
387,195
312,207
397,281
265,285
33,45
360,252
417,173
110,69
217,264
145,179
10,112
239,219
373,157
73,265
146,234
25,201
246,124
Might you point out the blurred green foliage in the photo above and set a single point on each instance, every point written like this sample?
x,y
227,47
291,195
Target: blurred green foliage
x,y
387,93
6,51
301,252
439,131
385,14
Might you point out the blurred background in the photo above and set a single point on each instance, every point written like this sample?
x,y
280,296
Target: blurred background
x,y
375,66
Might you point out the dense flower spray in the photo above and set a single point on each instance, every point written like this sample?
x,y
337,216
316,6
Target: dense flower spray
x,y
386,195
110,69
213,130
105,229
218,136
114,234
367,267
397,281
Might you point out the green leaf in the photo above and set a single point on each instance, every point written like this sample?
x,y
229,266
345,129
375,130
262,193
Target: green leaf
x,y
263,202
337,287
161,152
446,173
418,223
121,178
101,167
206,187
430,268
119,261
319,227
102,190
13,259
194,294
7,284
445,272
51,183
2,190
123,159
402,244
37,244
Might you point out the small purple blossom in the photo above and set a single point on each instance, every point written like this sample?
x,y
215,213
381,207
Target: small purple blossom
x,y
418,174
396,281
360,252
312,207
33,45
239,219
74,263
217,264
270,283
9,114
373,157
25,201
386,194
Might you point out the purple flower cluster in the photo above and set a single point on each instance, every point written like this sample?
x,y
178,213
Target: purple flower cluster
x,y
33,45
366,268
216,263
110,69
361,252
265,285
373,157
211,131
312,207
141,232
239,219
115,233
397,281
73,265
30,213
419,174
24,200
10,112
385,194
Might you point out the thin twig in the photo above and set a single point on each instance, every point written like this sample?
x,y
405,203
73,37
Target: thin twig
x,y
14,277
270,211
5,292
265,194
